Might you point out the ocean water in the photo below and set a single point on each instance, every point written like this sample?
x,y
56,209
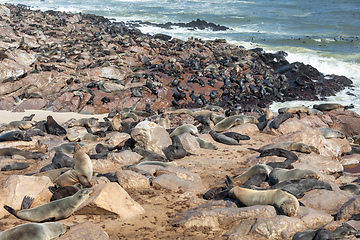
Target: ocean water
x,y
323,33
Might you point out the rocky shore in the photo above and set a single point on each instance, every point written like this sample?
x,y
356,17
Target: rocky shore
x,y
84,63
186,130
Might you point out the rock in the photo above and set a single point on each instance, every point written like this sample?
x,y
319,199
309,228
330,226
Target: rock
x,y
324,200
323,164
110,198
175,184
350,160
313,218
151,136
130,180
85,231
334,147
4,11
183,173
245,129
189,142
98,180
32,103
16,187
346,121
221,217
349,209
277,227
126,157
118,138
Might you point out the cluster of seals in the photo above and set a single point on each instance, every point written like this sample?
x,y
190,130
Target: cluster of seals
x,y
52,211
283,201
32,231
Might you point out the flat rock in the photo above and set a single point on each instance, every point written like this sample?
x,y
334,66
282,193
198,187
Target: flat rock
x,y
313,218
324,200
222,217
126,157
85,231
130,180
151,136
245,129
348,160
323,164
110,198
118,138
175,184
277,227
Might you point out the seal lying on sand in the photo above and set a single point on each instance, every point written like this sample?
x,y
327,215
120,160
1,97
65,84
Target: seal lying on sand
x,y
51,211
229,122
32,231
221,138
15,136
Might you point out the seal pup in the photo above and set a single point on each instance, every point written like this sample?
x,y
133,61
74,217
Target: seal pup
x,y
291,146
28,118
331,133
15,136
52,127
63,192
15,166
82,171
52,211
175,150
32,231
185,128
221,138
279,175
231,121
285,202
280,152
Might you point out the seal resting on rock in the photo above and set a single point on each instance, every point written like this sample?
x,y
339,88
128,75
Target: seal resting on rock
x,y
229,122
32,231
51,211
279,175
283,201
185,128
291,146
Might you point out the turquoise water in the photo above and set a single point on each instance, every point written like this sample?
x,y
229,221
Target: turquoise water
x,y
325,34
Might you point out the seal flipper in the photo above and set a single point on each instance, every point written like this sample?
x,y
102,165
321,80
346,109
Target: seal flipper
x,y
84,181
26,202
11,210
52,219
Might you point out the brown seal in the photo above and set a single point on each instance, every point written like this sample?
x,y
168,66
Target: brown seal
x,y
52,127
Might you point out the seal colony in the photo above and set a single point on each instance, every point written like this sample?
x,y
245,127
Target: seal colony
x,y
202,109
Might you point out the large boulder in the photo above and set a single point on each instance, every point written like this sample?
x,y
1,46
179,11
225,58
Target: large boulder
x,y
16,187
151,136
130,180
110,198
